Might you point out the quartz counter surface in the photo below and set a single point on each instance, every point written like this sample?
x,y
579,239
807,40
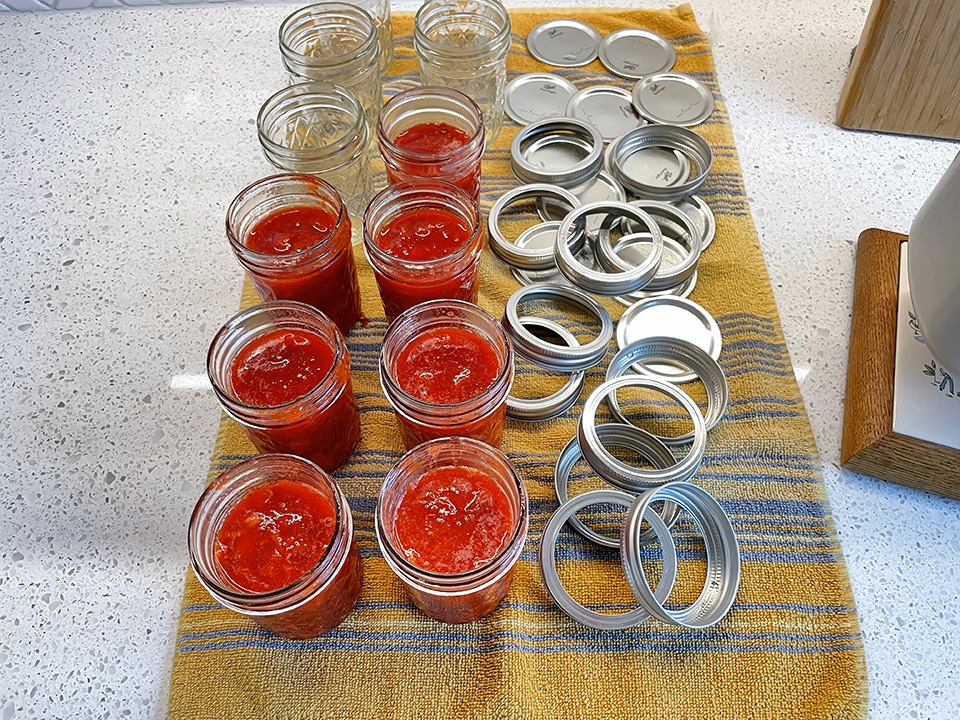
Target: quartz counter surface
x,y
124,134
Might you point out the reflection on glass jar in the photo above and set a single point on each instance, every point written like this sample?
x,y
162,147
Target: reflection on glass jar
x,y
335,43
320,129
309,580
454,572
464,45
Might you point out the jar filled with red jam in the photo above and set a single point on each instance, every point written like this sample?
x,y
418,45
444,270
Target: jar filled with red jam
x,y
434,132
423,239
292,235
272,538
451,521
281,369
446,367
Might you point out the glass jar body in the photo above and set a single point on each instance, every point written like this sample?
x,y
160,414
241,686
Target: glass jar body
x,y
403,282
481,417
336,43
315,603
465,47
461,597
321,130
323,275
324,424
426,106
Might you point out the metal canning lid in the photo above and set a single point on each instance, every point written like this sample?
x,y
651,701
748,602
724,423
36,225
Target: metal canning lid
x,y
702,216
609,109
563,42
670,220
722,551
547,354
615,470
621,435
537,96
531,257
631,248
654,166
533,410
603,187
604,283
673,99
634,53
670,316
681,352
563,599
695,148
559,151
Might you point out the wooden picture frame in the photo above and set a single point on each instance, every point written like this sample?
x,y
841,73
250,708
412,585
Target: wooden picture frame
x,y
869,444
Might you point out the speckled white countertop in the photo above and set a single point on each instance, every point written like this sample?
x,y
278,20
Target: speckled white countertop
x,y
124,134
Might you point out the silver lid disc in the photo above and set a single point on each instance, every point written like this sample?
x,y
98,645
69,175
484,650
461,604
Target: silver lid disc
x,y
537,96
551,578
563,42
673,99
609,109
557,403
652,166
604,187
634,53
670,316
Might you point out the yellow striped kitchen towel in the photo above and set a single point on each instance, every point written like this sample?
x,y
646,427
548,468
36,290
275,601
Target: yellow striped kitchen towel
x,y
789,648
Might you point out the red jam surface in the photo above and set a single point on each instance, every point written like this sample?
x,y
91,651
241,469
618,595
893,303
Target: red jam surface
x,y
282,365
329,283
423,234
275,535
435,138
453,519
447,365
432,138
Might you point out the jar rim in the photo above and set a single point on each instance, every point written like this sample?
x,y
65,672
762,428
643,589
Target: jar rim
x,y
237,482
323,387
273,181
472,149
360,20
291,101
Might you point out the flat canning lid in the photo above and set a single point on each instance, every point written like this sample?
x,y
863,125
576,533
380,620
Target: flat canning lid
x,y
563,42
634,53
673,99
537,96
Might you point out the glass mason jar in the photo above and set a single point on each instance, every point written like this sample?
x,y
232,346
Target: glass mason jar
x,y
420,419
459,597
380,12
425,110
313,603
292,235
335,43
322,424
464,45
404,280
320,129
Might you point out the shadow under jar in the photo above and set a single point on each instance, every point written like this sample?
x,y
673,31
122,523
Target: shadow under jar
x,y
455,572
446,367
320,129
299,576
432,132
335,43
292,235
423,239
464,46
281,369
